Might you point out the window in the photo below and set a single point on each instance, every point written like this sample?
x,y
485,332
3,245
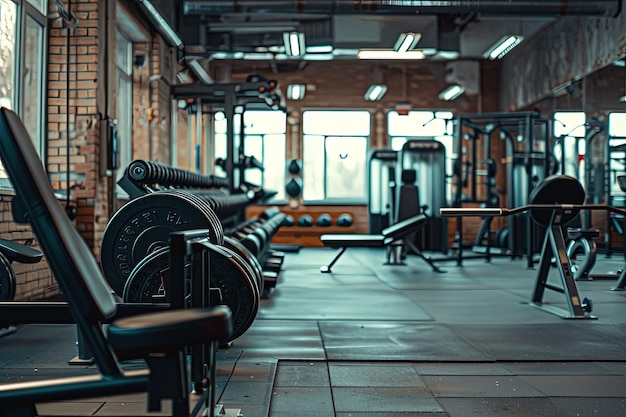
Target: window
x,y
124,88
423,124
22,66
569,150
335,155
265,139
8,38
32,80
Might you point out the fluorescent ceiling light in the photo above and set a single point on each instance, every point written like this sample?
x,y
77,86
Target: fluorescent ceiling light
x,y
451,92
296,91
375,92
446,55
199,71
162,25
294,43
407,41
389,54
345,52
318,57
258,56
227,55
444,115
503,46
319,49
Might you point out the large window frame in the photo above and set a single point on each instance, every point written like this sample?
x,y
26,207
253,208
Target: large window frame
x,y
124,103
25,82
330,133
569,128
264,141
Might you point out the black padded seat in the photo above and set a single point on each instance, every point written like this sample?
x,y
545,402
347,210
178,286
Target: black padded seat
x,y
135,336
21,253
404,227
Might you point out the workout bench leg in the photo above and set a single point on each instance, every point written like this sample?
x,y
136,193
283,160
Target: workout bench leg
x,y
326,268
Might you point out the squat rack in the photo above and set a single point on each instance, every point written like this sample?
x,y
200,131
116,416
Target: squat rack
x,y
527,160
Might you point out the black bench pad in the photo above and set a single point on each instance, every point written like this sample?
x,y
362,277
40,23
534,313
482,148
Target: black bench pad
x,y
389,234
352,240
405,227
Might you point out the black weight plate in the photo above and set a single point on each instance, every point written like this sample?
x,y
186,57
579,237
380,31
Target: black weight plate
x,y
149,278
142,226
556,189
7,279
218,236
239,249
235,279
146,283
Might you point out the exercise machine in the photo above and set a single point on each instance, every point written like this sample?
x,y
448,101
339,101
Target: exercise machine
x,y
382,189
427,158
392,238
525,154
556,202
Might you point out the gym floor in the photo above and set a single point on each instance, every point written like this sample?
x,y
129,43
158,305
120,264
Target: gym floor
x,y
374,340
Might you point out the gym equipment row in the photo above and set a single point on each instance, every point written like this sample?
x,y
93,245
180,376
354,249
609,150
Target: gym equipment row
x,y
160,338
553,204
134,248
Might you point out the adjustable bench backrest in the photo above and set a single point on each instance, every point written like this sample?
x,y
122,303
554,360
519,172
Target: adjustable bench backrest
x,y
405,227
89,296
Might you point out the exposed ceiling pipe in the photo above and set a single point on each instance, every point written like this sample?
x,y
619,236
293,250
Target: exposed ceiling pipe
x,y
551,8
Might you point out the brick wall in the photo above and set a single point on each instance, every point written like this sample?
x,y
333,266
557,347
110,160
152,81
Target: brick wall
x,y
34,281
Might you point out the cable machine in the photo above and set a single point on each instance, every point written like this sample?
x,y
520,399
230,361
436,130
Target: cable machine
x,y
382,189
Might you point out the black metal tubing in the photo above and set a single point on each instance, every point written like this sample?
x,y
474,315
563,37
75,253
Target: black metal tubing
x,y
22,312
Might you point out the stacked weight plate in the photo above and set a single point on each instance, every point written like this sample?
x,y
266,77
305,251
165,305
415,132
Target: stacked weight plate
x,y
135,252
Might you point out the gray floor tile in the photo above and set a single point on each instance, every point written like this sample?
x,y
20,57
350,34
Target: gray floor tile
x,y
586,406
302,374
254,371
618,367
503,407
246,393
373,375
393,414
396,341
378,399
69,408
479,386
562,368
302,400
560,341
482,368
578,385
125,409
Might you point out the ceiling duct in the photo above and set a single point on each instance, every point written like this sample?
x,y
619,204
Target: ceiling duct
x,y
552,8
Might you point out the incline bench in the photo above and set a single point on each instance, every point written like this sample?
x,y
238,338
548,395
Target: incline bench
x,y
392,237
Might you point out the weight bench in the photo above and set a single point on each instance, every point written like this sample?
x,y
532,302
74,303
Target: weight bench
x,y
159,338
392,238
